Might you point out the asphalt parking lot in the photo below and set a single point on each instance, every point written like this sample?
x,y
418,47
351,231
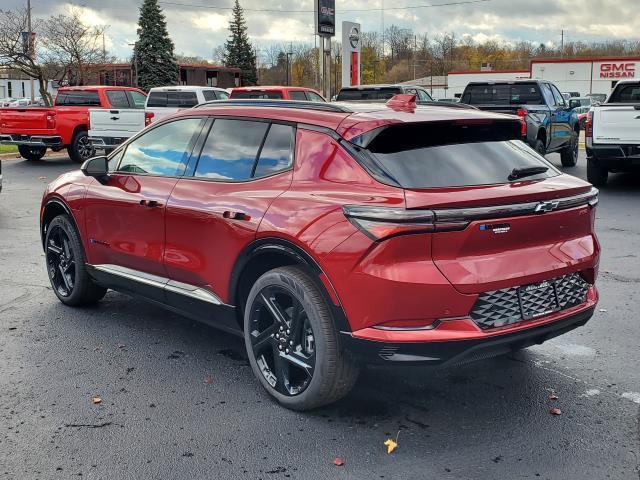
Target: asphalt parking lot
x,y
179,400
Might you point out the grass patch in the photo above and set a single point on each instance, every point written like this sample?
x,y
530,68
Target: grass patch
x,y
8,149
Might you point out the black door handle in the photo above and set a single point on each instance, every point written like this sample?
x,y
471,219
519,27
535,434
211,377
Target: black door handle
x,y
149,203
236,215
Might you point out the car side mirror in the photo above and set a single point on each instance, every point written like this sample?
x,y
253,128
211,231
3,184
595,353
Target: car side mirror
x,y
573,104
97,167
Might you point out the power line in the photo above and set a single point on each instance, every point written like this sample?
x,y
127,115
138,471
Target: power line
x,y
349,10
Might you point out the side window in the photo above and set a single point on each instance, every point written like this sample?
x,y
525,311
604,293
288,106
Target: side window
x,y
222,95
114,160
412,91
547,93
231,150
182,99
136,99
277,153
209,95
118,98
424,96
314,97
297,95
163,150
157,99
557,96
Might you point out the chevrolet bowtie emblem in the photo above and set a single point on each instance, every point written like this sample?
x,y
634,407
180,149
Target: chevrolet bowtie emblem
x,y
544,207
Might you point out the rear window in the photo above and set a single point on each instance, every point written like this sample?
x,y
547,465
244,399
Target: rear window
x,y
502,94
172,99
626,94
78,98
209,95
256,94
367,93
451,155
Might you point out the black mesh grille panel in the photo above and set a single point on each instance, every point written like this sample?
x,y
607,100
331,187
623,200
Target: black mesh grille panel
x,y
512,305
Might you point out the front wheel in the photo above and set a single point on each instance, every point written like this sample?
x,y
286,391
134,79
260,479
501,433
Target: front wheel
x,y
32,153
81,148
66,265
569,154
292,342
540,147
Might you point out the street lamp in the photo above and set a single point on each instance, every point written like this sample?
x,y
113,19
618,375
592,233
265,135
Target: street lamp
x,y
135,61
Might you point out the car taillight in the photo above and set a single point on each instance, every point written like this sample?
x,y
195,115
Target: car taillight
x,y
148,116
379,223
522,113
51,121
588,125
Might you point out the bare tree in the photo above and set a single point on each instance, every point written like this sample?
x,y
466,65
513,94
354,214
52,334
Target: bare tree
x,y
19,53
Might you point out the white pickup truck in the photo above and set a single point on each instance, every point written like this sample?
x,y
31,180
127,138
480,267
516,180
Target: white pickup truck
x,y
612,133
109,128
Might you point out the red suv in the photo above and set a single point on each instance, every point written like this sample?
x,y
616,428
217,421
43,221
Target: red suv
x,y
332,235
276,93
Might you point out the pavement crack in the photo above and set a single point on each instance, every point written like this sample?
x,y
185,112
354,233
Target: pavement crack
x,y
88,425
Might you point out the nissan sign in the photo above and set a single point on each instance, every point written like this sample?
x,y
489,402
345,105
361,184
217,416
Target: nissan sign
x,y
325,17
618,70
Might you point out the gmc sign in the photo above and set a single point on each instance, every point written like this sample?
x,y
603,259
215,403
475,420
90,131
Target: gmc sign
x,y
618,70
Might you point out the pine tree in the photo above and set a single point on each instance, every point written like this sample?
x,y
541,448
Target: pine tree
x,y
238,51
153,56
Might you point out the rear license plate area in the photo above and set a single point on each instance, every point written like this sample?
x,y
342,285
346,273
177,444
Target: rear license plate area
x,y
538,299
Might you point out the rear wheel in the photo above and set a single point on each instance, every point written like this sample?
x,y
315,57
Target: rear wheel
x,y
32,153
292,342
596,174
540,147
81,148
569,154
66,265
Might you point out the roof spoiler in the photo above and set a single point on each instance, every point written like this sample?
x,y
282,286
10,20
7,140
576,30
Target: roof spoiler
x,y
402,102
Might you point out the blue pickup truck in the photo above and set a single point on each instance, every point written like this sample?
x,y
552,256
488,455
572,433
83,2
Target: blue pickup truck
x,y
548,122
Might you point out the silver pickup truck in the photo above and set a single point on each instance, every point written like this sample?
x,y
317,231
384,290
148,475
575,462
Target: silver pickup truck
x,y
612,133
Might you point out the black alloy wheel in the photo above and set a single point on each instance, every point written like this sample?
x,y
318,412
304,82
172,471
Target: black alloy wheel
x,y
61,261
569,155
31,153
85,149
282,340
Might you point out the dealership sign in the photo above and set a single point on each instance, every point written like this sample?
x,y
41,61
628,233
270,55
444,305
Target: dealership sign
x,y
618,70
325,17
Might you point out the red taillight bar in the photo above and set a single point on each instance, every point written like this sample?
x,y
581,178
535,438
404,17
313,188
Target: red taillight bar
x,y
148,116
522,113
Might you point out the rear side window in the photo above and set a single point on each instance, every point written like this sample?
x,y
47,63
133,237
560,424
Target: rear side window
x,y
118,98
78,98
256,94
367,94
231,150
626,94
209,95
222,95
163,150
172,99
277,152
137,99
444,154
297,95
502,94
314,97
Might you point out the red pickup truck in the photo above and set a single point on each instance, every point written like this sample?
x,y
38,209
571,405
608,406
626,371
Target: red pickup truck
x,y
66,124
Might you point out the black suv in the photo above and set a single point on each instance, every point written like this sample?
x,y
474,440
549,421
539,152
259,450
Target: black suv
x,y
549,123
381,92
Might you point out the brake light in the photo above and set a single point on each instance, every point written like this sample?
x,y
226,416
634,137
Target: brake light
x,y
51,120
148,116
588,125
380,223
522,113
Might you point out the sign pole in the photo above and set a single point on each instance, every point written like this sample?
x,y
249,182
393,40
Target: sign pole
x,y
30,47
325,28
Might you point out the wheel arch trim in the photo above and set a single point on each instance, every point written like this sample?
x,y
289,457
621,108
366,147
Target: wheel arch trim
x,y
60,203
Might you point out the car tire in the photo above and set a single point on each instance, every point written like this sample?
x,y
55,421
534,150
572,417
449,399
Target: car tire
x,y
32,153
596,174
81,148
540,147
569,154
292,341
66,265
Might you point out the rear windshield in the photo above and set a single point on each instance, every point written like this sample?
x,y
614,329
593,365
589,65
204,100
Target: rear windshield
x,y
368,93
626,94
172,99
256,94
452,155
78,98
502,94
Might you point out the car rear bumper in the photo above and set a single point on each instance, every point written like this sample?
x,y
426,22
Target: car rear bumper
x,y
107,142
460,350
31,140
615,156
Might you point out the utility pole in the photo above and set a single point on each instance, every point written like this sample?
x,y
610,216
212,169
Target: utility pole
x,y
415,50
562,43
30,47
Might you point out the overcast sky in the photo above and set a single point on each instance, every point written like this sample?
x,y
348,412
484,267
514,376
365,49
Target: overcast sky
x,y
197,30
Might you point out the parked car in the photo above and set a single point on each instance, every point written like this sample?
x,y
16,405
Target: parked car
x,y
612,133
109,128
164,101
277,93
548,124
597,97
571,94
381,93
582,113
65,125
580,102
331,236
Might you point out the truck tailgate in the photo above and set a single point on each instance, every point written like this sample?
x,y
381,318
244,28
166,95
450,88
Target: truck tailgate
x,y
31,121
115,122
616,124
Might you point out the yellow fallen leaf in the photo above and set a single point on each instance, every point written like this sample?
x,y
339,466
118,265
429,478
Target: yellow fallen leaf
x,y
391,445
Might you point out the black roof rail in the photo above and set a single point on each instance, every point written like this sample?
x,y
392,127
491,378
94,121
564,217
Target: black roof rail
x,y
259,102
